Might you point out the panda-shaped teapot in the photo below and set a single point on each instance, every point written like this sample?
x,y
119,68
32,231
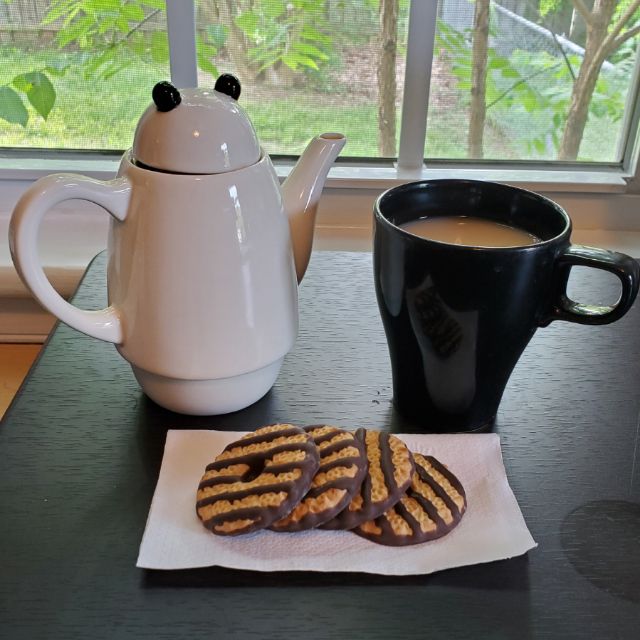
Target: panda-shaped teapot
x,y
205,250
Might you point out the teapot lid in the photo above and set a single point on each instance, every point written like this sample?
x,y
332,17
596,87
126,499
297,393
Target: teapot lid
x,y
196,130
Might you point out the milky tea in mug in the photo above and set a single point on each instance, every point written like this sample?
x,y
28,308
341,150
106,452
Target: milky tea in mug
x,y
465,272
469,231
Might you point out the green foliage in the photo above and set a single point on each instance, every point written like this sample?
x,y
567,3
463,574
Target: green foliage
x,y
501,73
529,84
206,52
12,109
100,28
549,6
290,33
98,32
36,88
102,115
284,125
621,7
217,35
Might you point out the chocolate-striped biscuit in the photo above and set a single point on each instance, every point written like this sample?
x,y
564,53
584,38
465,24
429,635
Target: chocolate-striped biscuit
x,y
389,472
342,468
257,480
432,506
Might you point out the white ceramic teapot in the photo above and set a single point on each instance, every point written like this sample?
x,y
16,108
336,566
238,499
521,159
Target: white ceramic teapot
x,y
205,250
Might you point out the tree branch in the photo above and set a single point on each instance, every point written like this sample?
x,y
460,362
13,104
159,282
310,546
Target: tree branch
x,y
522,81
117,41
143,21
555,41
564,55
581,8
624,18
625,36
609,43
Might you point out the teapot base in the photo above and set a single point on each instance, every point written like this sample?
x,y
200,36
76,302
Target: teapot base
x,y
208,397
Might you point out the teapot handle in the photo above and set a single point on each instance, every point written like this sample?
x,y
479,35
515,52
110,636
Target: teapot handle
x,y
45,193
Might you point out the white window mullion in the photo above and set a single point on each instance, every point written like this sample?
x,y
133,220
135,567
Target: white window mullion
x,y
181,30
415,101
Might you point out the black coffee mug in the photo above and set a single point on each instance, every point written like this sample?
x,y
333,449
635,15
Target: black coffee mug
x,y
457,318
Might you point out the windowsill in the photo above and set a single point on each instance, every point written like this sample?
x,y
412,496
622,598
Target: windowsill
x,y
353,174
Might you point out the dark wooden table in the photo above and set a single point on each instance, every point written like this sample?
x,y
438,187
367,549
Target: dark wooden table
x,y
80,451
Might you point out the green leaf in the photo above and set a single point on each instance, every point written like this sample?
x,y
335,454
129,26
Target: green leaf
x,y
248,21
292,60
132,12
154,4
123,25
273,8
102,5
106,24
75,31
497,62
308,49
217,34
42,95
71,15
491,93
597,109
137,45
510,72
159,47
21,83
56,10
101,63
11,107
520,88
206,49
309,33
530,101
205,63
549,6
461,72
38,89
56,68
113,69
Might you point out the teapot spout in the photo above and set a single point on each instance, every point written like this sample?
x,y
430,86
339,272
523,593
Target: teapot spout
x,y
301,193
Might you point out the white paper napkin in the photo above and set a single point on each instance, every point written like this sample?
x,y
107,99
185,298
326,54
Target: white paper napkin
x,y
492,528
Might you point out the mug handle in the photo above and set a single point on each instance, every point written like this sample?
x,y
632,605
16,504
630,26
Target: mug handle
x,y
627,269
45,193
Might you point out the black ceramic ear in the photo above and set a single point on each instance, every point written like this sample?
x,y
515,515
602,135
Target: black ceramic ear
x,y
228,84
166,96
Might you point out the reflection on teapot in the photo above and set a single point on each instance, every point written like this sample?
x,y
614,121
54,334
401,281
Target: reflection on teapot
x,y
205,250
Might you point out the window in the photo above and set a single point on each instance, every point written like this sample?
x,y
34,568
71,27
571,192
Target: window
x,y
76,75
529,83
510,81
308,67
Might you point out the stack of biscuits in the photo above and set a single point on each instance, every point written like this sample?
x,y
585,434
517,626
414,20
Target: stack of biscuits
x,y
287,478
